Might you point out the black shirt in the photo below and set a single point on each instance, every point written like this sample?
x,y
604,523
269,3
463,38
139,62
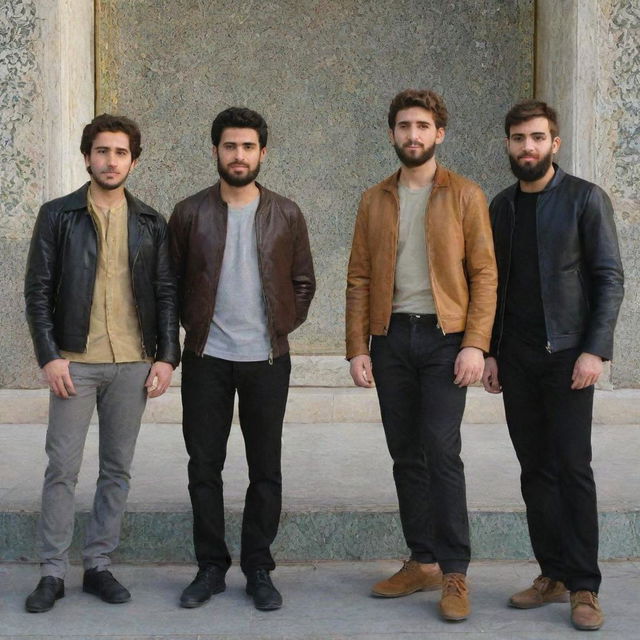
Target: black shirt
x,y
524,314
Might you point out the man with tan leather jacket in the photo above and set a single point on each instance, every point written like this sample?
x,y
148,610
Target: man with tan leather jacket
x,y
245,281
421,297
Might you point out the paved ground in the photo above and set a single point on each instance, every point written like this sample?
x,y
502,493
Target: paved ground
x,y
327,601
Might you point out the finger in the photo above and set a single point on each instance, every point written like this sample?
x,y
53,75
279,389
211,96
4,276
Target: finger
x,y
59,389
68,384
149,381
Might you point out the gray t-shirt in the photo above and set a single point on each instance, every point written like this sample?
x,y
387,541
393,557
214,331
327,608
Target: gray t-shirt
x,y
412,289
239,329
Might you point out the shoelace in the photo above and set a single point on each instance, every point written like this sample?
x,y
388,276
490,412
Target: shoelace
x,y
453,586
586,597
541,583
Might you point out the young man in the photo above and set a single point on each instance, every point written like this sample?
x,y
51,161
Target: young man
x,y
102,310
245,281
560,289
422,288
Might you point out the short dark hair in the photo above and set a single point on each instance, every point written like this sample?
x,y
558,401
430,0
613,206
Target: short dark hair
x,y
529,109
241,118
107,122
424,98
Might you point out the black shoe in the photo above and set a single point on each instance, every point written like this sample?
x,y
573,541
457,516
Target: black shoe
x,y
207,582
44,596
265,596
105,586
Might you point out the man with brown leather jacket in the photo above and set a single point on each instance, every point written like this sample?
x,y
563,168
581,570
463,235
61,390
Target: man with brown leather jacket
x,y
245,281
421,296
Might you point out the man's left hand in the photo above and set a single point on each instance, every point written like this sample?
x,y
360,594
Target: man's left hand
x,y
468,367
586,371
159,379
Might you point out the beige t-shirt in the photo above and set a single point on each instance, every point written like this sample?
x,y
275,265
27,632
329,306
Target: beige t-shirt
x,y
412,288
114,329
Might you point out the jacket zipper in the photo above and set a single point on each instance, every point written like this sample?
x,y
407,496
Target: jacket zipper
x,y
264,297
426,241
133,290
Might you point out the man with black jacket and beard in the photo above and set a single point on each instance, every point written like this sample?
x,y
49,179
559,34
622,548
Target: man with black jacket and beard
x,y
559,292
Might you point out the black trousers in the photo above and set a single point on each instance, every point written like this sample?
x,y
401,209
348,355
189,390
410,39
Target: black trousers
x,y
209,386
550,427
421,413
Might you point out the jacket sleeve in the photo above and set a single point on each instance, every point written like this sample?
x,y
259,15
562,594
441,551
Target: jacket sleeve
x,y
602,259
358,279
176,251
168,347
302,274
482,273
40,287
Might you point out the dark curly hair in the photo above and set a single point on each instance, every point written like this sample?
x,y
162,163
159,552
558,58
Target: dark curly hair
x,y
242,118
424,98
529,109
107,122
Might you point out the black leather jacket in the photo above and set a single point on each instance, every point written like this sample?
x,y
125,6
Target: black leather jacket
x,y
581,275
61,270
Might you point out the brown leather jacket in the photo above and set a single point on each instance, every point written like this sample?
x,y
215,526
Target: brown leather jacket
x,y
460,253
198,230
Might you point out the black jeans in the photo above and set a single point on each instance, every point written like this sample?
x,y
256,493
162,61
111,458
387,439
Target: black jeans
x,y
208,390
550,427
421,412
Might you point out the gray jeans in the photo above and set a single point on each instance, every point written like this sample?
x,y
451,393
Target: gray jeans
x,y
119,393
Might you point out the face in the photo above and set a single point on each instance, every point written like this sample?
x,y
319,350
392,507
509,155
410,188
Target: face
x,y
415,136
110,162
238,156
531,147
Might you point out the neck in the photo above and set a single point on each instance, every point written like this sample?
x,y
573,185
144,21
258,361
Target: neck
x,y
418,177
106,198
540,183
238,196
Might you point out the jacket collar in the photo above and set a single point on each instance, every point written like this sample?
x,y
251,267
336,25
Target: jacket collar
x,y
441,179
558,177
78,200
215,194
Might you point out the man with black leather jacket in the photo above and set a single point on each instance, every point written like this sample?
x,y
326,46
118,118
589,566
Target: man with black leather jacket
x,y
559,292
245,281
102,310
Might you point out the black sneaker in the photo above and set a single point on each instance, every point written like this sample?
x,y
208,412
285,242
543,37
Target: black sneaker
x,y
105,586
44,596
265,596
207,582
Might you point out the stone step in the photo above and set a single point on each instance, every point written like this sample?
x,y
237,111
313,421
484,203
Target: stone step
x,y
324,405
339,499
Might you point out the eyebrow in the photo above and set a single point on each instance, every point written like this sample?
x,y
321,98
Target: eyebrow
x,y
102,146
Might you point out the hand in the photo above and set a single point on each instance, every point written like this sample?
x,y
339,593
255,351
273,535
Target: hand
x,y
586,371
158,379
490,376
58,378
360,369
468,367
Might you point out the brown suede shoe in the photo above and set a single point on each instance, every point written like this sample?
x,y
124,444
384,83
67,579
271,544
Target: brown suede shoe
x,y
586,614
411,578
454,605
543,591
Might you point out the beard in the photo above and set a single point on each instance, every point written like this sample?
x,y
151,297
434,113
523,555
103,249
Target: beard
x,y
533,172
107,186
414,161
238,181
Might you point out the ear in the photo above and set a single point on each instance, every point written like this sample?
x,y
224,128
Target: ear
x,y
87,161
134,164
440,134
263,153
555,145
391,138
214,151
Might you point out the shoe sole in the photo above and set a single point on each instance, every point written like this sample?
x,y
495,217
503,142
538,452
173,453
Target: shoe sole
x,y
94,592
581,627
377,594
452,618
194,604
271,607
40,610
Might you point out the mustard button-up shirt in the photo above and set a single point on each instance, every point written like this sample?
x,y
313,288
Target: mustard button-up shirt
x,y
114,329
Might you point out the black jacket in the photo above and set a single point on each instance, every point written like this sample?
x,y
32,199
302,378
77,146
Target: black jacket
x,y
61,270
581,275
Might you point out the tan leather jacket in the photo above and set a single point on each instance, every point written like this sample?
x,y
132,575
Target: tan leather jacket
x,y
460,253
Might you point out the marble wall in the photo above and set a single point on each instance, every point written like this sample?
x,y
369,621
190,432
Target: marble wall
x,y
322,72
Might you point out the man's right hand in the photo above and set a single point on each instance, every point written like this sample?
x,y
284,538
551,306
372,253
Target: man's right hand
x,y
360,369
58,377
490,376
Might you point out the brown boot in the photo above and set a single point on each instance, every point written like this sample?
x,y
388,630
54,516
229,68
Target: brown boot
x,y
543,591
586,614
454,605
411,578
